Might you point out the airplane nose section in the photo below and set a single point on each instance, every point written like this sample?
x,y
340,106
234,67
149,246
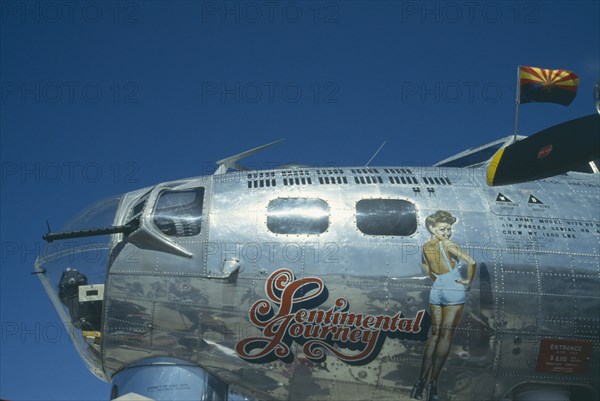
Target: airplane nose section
x,y
73,272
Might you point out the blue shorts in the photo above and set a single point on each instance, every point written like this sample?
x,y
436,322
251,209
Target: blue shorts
x,y
446,291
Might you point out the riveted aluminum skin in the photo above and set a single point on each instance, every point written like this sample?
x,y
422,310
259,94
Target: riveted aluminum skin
x,y
536,247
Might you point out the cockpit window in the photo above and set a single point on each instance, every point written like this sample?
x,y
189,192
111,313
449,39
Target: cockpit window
x,y
298,216
178,213
386,217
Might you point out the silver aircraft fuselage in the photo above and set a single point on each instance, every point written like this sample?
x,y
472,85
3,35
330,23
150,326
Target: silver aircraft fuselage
x,y
312,283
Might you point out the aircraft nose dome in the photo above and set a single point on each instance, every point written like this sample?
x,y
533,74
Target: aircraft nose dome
x,y
73,274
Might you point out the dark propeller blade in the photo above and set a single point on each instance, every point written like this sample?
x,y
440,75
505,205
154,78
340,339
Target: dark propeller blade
x,y
550,152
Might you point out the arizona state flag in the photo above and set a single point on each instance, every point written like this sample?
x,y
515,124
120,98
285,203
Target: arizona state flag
x,y
547,86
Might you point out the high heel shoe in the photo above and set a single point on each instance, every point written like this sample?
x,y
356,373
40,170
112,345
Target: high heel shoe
x,y
432,394
417,391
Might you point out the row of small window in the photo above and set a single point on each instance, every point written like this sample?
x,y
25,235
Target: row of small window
x,y
179,214
310,216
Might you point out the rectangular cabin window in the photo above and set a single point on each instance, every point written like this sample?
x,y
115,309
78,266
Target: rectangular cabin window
x,y
395,217
298,216
178,212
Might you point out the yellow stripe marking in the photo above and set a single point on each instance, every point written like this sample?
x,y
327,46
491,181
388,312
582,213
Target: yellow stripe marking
x,y
491,171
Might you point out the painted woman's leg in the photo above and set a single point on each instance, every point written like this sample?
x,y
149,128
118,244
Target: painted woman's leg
x,y
427,360
432,342
450,318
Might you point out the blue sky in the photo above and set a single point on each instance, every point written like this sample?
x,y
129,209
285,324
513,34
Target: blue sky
x,y
99,98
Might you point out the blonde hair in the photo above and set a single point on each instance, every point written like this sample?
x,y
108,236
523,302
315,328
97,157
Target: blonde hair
x,y
441,216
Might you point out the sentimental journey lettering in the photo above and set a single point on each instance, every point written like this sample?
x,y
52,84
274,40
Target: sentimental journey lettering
x,y
291,314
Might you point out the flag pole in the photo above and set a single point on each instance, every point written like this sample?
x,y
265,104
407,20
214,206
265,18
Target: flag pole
x,y
517,102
